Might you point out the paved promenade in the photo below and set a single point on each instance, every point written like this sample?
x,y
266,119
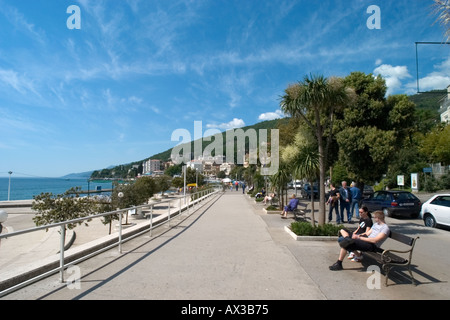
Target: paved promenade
x,y
230,249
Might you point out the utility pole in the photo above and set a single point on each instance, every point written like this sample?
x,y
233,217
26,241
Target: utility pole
x,y
9,185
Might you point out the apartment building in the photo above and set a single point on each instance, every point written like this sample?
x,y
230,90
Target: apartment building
x,y
151,166
445,107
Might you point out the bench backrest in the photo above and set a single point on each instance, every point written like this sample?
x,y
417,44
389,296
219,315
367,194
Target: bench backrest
x,y
401,238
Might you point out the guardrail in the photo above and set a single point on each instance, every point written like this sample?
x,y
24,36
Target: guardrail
x,y
192,202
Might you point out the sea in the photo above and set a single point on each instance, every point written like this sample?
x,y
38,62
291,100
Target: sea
x,y
25,188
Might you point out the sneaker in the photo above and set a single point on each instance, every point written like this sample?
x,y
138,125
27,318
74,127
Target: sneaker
x,y
351,255
357,259
336,266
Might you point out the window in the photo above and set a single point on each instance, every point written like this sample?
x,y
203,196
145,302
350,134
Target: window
x,y
442,201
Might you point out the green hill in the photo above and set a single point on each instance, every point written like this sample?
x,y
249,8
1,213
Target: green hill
x,y
427,108
428,100
121,171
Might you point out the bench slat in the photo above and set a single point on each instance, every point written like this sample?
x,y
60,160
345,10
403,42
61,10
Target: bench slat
x,y
401,238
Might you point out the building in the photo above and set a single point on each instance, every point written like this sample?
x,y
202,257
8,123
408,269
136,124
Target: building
x,y
151,166
227,167
445,107
196,165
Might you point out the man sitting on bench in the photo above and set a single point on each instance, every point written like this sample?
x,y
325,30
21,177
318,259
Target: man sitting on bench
x,y
375,238
290,207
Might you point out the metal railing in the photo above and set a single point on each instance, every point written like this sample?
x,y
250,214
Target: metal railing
x,y
188,203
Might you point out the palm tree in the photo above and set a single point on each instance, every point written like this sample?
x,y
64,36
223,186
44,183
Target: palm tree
x,y
442,10
315,100
280,180
306,165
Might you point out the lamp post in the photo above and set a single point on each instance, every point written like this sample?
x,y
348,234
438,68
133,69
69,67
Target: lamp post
x,y
9,185
3,218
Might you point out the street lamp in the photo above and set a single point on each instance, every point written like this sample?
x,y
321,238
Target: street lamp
x,y
9,185
3,218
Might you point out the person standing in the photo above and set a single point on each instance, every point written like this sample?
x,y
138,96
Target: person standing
x,y
345,198
356,198
333,201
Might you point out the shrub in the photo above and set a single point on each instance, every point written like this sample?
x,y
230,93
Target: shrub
x,y
302,228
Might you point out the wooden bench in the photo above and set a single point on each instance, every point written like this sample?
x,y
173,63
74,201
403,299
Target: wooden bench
x,y
389,258
300,210
274,201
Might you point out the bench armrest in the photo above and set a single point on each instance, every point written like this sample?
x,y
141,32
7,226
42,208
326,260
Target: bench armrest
x,y
386,258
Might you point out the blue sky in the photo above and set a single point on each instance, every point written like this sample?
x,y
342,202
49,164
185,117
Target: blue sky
x,y
112,92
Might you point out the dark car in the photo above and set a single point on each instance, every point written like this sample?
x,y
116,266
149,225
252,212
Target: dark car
x,y
394,203
368,191
306,191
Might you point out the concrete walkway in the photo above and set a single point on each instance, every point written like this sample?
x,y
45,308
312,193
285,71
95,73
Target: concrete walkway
x,y
230,249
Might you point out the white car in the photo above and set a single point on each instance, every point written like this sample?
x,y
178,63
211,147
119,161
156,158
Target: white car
x,y
436,211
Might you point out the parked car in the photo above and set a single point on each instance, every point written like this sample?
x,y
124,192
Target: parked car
x,y
368,191
394,203
436,211
306,191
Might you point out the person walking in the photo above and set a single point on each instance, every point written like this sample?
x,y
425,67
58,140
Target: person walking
x,y
356,198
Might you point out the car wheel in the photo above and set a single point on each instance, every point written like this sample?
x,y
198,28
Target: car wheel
x,y
429,221
387,213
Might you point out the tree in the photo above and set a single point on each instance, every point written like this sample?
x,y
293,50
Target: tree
x,y
178,182
193,176
373,128
62,207
442,9
279,180
316,100
162,183
435,146
303,161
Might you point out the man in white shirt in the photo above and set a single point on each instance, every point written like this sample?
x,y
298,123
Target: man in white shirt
x,y
374,239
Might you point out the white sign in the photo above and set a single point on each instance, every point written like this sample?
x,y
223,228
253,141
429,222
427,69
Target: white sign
x,y
414,181
401,180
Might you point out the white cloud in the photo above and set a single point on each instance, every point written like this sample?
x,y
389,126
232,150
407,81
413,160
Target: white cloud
x,y
393,76
19,82
436,80
235,123
271,115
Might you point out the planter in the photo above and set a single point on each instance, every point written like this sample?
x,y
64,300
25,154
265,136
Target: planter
x,y
272,211
309,238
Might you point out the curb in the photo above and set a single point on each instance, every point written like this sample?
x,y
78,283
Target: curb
x,y
309,238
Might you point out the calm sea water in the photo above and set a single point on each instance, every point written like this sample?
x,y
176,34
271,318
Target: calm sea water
x,y
26,188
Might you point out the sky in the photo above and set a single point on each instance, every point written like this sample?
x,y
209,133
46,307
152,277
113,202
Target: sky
x,y
112,89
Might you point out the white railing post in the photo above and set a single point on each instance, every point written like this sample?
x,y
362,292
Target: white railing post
x,y
120,232
168,215
61,253
151,220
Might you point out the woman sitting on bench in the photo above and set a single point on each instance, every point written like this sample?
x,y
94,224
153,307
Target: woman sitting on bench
x,y
375,238
290,207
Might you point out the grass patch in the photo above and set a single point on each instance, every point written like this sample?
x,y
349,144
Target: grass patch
x,y
273,208
302,228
